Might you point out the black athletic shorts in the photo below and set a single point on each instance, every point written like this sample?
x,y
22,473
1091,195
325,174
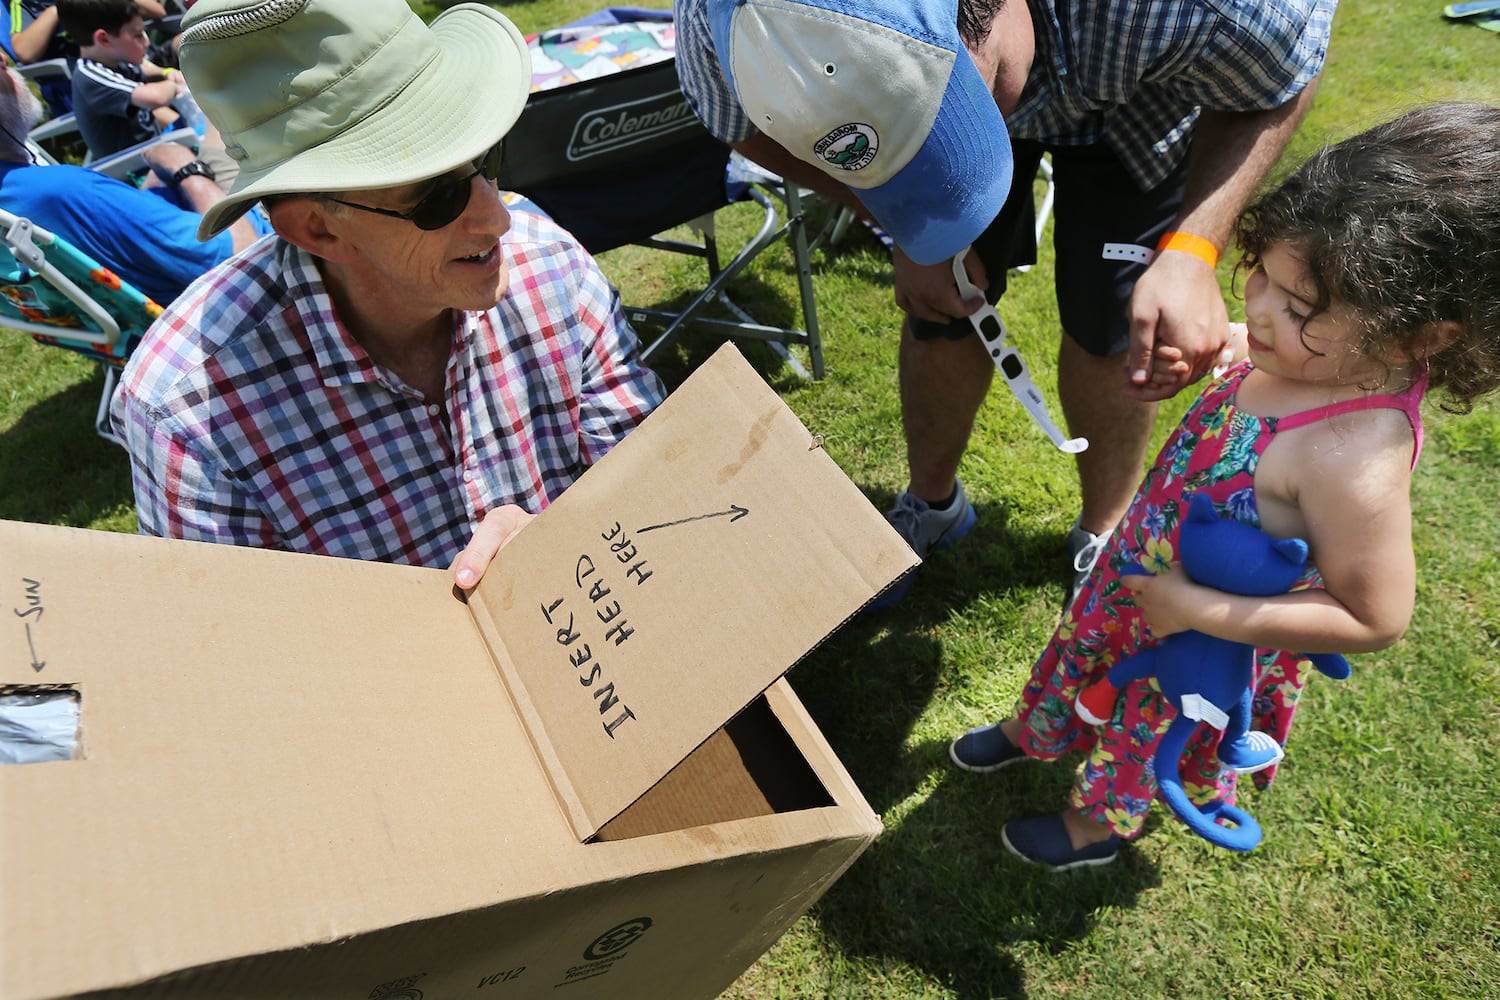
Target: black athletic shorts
x,y
1097,203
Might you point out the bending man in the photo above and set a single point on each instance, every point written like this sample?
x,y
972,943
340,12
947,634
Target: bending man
x,y
1161,117
407,366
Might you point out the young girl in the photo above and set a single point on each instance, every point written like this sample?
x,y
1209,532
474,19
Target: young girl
x,y
1372,277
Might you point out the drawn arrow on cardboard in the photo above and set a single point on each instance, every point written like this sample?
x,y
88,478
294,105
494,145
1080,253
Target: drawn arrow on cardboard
x,y
36,664
734,513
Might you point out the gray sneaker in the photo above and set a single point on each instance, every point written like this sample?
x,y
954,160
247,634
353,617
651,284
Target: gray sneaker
x,y
925,530
1085,548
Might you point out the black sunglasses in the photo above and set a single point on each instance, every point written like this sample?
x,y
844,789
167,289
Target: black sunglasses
x,y
446,200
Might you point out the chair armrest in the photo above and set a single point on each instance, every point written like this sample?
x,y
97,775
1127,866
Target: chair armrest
x,y
128,161
39,153
54,127
46,69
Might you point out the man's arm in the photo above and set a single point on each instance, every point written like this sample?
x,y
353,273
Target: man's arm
x,y
30,43
615,390
770,154
927,292
1178,321
166,158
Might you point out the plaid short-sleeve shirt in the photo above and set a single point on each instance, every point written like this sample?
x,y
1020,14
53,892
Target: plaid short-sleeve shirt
x,y
1132,75
252,417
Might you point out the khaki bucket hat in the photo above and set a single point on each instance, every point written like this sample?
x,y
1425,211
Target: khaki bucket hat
x,y
346,95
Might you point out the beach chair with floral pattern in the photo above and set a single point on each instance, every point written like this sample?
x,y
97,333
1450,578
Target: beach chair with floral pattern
x,y
64,298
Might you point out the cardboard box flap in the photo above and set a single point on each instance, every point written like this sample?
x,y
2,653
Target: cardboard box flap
x,y
626,650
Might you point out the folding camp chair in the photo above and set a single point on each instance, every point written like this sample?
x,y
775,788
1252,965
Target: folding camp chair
x,y
52,76
64,298
608,147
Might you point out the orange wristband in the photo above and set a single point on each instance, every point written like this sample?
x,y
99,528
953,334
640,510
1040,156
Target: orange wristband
x,y
1188,243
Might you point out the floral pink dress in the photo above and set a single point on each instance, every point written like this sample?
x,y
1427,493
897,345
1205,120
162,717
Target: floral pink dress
x,y
1214,450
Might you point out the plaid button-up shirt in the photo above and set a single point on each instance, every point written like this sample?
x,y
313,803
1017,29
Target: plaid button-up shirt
x,y
1133,75
252,417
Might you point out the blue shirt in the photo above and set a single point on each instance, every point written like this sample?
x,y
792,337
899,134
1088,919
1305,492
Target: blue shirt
x,y
1132,75
141,237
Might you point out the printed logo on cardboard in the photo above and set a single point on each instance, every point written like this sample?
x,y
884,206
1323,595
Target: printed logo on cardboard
x,y
621,125
617,938
608,948
398,989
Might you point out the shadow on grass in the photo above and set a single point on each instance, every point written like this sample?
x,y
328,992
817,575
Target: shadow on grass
x,y
56,469
938,891
992,558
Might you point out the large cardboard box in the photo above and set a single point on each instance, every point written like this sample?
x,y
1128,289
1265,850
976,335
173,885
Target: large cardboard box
x,y
310,777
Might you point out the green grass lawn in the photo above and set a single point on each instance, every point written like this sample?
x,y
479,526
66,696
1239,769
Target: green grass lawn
x,y
1378,875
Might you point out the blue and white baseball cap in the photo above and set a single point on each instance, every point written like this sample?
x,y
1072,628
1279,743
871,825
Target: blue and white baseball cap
x,y
882,96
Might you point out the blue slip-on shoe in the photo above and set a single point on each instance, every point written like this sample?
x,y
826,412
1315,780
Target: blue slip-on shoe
x,y
1043,840
984,749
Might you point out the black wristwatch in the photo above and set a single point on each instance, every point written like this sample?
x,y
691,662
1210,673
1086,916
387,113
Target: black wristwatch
x,y
195,169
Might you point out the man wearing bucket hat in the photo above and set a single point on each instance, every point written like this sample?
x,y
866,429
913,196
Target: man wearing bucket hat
x,y
407,371
932,116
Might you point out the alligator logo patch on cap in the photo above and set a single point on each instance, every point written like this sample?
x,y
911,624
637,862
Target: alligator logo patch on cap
x,y
849,147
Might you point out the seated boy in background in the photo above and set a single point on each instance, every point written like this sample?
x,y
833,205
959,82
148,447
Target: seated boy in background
x,y
137,234
29,33
120,97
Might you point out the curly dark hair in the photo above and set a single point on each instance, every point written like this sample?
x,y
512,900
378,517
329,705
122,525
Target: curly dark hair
x,y
975,17
1402,223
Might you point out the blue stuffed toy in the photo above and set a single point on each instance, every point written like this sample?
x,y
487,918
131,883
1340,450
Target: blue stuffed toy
x,y
1209,679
